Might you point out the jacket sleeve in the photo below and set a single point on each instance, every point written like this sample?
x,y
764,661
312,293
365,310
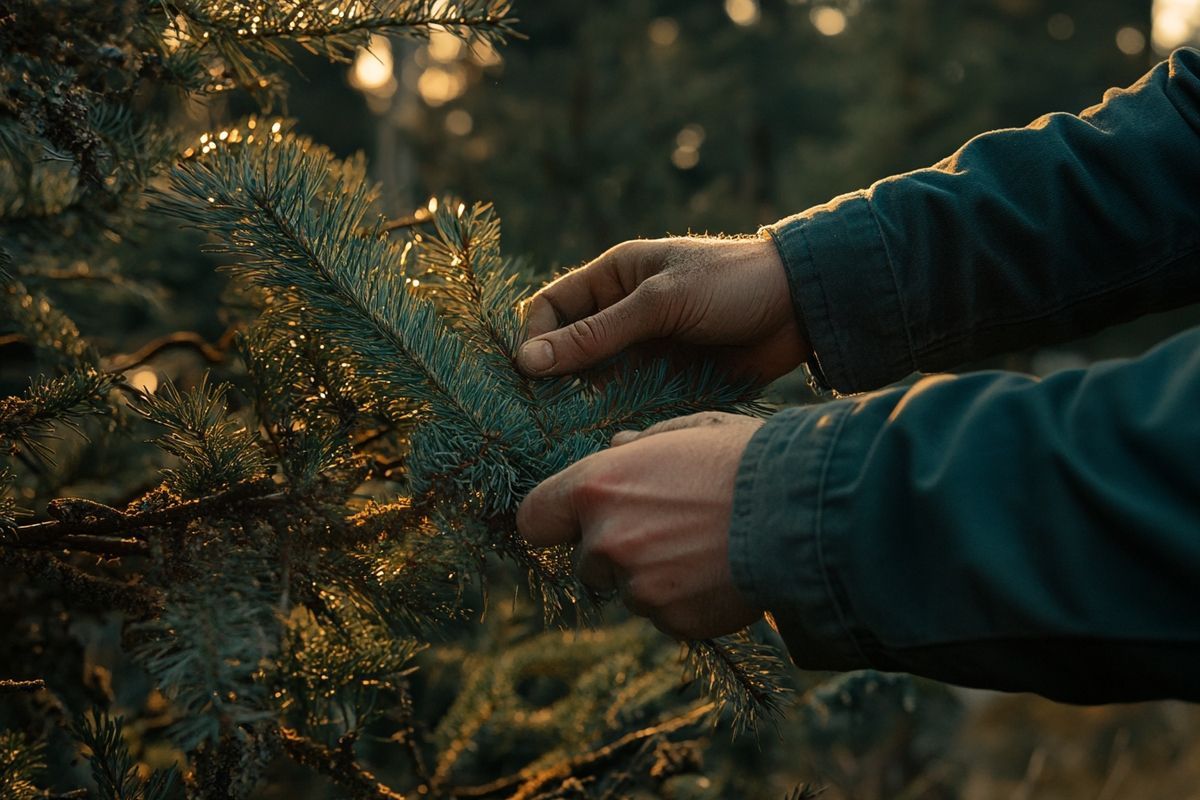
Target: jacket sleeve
x,y
990,529
1022,237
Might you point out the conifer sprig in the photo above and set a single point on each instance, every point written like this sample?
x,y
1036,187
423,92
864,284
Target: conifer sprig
x,y
9,510
21,764
743,675
246,32
27,420
113,768
212,648
299,228
215,451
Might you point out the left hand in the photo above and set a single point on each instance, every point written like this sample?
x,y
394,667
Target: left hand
x,y
650,517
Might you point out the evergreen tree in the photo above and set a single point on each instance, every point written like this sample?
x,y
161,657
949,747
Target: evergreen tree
x,y
334,502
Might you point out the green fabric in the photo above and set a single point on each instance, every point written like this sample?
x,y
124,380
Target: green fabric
x,y
992,529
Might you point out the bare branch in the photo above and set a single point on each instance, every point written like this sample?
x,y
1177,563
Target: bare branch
x,y
8,686
531,780
242,496
336,764
189,340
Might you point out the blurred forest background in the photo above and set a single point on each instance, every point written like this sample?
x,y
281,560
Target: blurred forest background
x,y
614,119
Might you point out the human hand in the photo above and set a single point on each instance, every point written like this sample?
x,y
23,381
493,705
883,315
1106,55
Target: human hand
x,y
721,299
650,517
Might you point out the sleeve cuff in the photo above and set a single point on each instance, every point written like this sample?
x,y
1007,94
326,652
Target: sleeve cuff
x,y
844,290
775,548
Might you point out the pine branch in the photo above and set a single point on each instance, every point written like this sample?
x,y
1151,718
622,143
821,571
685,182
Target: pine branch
x,y
213,648
63,400
334,27
215,451
274,208
336,764
742,676
113,767
638,395
21,762
9,686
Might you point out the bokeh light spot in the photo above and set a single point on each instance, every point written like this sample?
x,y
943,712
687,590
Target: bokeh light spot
x,y
1060,27
743,12
663,31
828,21
1130,40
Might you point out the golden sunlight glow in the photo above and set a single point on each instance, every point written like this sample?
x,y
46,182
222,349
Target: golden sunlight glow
x,y
439,85
176,35
743,12
373,68
445,46
828,21
1176,23
485,54
144,380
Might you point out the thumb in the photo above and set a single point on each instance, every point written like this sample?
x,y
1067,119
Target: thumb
x,y
591,340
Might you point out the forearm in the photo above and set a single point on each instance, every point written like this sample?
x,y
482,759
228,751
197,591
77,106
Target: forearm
x,y
989,530
1023,236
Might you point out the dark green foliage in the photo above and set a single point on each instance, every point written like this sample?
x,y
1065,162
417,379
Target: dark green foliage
x,y
335,680
214,450
742,674
25,421
21,764
9,510
113,768
217,639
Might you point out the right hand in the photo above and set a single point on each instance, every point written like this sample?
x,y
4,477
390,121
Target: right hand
x,y
721,299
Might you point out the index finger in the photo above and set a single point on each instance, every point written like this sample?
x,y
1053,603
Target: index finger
x,y
548,515
596,285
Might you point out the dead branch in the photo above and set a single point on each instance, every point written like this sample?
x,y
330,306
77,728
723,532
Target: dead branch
x,y
336,764
530,780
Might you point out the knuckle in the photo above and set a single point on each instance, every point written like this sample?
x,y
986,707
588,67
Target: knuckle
x,y
654,290
625,249
586,332
593,490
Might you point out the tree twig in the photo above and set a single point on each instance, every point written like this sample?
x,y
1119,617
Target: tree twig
x,y
9,686
190,340
418,217
336,764
531,779
75,584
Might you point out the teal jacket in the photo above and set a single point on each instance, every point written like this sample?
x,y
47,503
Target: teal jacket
x,y
992,529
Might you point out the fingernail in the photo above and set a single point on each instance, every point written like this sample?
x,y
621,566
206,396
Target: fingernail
x,y
536,355
623,437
